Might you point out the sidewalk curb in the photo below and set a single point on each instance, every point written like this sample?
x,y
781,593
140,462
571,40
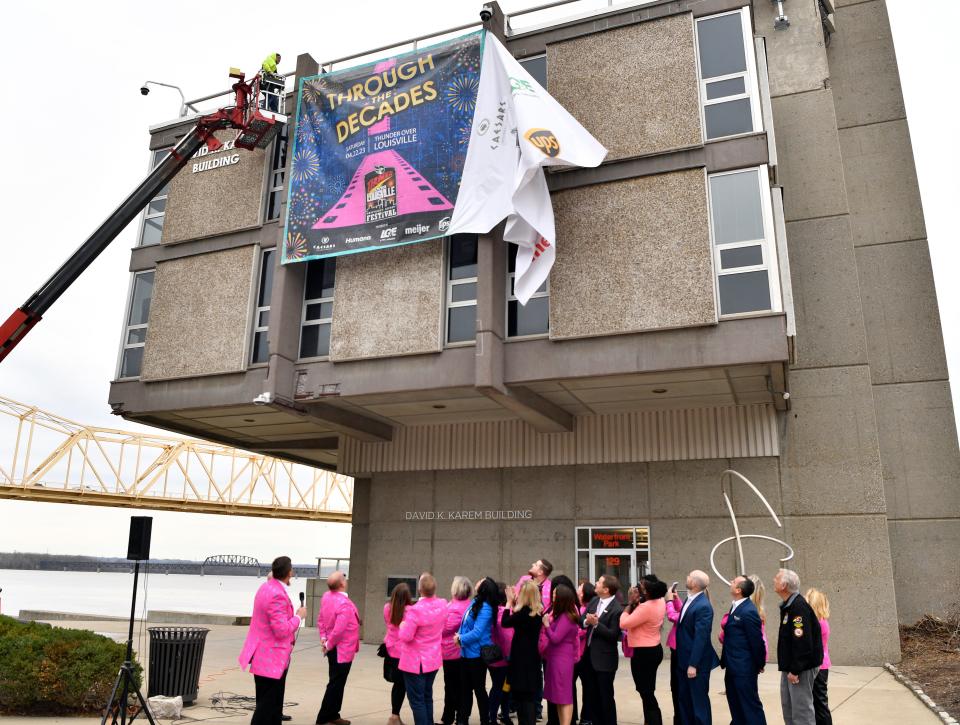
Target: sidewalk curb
x,y
920,694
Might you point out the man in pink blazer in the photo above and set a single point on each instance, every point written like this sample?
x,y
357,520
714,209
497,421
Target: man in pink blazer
x,y
539,572
270,641
339,626
420,633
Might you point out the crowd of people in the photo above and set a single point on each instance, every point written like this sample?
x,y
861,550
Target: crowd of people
x,y
505,649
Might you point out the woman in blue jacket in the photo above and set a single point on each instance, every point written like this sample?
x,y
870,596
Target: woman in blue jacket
x,y
476,632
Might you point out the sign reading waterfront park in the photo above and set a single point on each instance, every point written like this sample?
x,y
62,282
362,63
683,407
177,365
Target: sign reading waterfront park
x,y
379,151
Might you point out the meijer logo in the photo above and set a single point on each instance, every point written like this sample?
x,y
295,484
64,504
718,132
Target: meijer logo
x,y
544,140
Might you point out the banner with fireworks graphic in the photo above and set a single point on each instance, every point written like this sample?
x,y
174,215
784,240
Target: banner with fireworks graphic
x,y
379,151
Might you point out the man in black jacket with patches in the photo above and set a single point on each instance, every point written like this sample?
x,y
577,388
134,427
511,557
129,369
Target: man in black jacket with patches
x,y
602,622
799,650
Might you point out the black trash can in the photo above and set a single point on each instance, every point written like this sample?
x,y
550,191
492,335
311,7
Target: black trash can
x,y
176,654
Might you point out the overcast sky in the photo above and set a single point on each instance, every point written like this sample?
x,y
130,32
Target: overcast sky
x,y
75,137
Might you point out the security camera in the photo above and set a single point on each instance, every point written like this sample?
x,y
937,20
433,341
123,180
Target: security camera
x,y
486,13
144,90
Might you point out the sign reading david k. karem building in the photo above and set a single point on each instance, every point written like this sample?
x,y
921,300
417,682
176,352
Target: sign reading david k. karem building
x,y
217,192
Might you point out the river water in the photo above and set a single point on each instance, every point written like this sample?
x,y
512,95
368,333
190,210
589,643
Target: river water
x,y
109,593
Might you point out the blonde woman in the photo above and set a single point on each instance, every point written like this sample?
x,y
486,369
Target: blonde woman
x,y
524,676
757,598
821,609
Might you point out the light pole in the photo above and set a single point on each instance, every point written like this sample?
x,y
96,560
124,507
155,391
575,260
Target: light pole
x,y
144,90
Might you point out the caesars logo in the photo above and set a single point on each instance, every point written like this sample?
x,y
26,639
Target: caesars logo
x,y
544,140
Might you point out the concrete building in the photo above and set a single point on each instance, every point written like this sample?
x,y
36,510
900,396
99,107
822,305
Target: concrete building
x,y
744,283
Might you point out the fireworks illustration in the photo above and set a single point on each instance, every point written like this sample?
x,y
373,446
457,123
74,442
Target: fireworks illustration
x,y
463,135
305,207
295,247
313,90
337,184
461,93
306,164
305,131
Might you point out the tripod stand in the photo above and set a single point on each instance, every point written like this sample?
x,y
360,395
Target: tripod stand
x,y
125,683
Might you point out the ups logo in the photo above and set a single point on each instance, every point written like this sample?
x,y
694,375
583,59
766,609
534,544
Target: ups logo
x,y
544,140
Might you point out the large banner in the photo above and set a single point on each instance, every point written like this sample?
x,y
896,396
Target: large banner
x,y
379,151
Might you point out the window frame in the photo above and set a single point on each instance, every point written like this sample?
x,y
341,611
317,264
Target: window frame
x,y
277,179
146,215
125,335
258,309
536,56
304,322
750,76
768,246
511,297
449,284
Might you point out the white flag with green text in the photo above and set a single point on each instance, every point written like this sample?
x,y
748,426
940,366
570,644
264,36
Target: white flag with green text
x,y
517,130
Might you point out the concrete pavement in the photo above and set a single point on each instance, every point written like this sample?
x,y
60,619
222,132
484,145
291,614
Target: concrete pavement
x,y
857,694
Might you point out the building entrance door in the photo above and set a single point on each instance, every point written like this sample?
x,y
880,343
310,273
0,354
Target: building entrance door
x,y
614,563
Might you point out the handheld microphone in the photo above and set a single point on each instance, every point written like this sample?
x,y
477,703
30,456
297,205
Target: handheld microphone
x,y
302,599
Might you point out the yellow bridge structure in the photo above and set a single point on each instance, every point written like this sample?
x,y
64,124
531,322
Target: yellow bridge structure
x,y
59,460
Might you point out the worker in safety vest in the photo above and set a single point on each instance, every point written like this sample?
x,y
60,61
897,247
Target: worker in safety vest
x,y
271,86
270,63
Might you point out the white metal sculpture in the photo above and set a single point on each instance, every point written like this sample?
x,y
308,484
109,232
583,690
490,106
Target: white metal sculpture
x,y
737,536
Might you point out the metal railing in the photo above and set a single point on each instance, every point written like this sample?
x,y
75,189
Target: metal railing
x,y
45,457
327,65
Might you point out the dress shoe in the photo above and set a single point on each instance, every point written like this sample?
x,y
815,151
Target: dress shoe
x,y
286,718
339,721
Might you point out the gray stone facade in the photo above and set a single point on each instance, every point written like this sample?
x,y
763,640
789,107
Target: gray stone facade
x,y
835,404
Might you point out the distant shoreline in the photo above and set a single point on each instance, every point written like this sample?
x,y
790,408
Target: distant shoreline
x,y
51,562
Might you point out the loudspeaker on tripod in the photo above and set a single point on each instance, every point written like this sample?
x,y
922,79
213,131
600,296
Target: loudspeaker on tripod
x,y
138,548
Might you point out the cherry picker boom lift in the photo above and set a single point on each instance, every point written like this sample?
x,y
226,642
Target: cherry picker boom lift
x,y
256,128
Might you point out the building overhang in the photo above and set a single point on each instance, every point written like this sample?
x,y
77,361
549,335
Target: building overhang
x,y
550,387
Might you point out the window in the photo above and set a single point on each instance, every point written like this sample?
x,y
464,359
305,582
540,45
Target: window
x,y
532,319
745,258
135,329
620,551
277,172
317,308
537,67
728,75
261,317
153,216
462,289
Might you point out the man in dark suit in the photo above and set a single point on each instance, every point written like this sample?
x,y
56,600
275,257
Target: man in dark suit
x,y
695,654
601,657
744,656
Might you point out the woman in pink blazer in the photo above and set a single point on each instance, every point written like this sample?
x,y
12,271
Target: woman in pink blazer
x,y
561,625
269,643
503,638
461,591
393,612
674,605
419,635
